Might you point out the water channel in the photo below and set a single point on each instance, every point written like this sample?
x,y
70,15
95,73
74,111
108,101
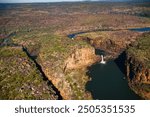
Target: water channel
x,y
108,82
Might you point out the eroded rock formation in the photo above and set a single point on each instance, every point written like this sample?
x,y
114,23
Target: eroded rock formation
x,y
138,75
81,58
72,78
113,42
136,66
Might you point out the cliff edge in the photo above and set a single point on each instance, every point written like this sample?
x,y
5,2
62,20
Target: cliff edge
x,y
137,65
65,65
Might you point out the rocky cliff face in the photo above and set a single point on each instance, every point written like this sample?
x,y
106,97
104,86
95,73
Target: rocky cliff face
x,y
112,42
138,75
71,78
137,65
81,58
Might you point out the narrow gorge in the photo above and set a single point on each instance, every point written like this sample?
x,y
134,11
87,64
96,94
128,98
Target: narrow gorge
x,y
49,83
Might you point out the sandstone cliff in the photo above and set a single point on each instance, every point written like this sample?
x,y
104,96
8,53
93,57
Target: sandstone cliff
x,y
81,58
137,66
138,75
113,42
70,78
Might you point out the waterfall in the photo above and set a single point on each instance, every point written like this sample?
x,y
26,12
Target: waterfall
x,y
102,61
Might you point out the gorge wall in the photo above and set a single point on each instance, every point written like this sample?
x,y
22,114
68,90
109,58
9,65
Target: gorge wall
x,y
134,62
138,75
71,78
134,58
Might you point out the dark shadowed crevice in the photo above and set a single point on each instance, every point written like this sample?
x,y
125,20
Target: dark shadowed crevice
x,y
120,61
45,78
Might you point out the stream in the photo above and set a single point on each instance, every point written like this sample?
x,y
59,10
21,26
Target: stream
x,y
144,29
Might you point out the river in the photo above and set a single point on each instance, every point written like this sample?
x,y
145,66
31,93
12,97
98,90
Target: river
x,y
108,82
144,29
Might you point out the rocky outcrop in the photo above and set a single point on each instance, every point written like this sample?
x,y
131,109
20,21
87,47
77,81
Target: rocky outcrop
x,y
113,42
81,58
136,70
72,78
138,75
135,63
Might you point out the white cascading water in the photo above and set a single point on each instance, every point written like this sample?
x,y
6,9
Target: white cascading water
x,y
102,61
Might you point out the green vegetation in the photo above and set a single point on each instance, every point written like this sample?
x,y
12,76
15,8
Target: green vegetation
x,y
50,50
43,30
59,47
77,80
19,77
142,89
102,34
141,49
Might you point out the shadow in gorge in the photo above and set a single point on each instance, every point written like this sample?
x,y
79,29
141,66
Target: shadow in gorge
x,y
100,52
108,83
120,61
45,78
